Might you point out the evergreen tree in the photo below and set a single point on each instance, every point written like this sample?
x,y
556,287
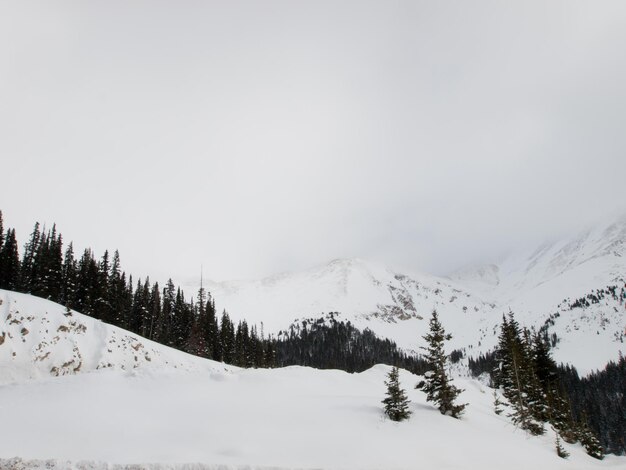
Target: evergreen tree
x,y
497,403
9,262
554,407
536,396
182,319
87,288
117,296
438,386
168,311
227,339
69,278
589,441
155,313
27,264
138,309
127,301
1,231
396,402
560,450
145,317
102,305
513,376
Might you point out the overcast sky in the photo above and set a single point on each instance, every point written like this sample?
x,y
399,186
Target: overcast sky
x,y
254,137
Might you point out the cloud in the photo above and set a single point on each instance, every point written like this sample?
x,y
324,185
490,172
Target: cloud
x,y
258,137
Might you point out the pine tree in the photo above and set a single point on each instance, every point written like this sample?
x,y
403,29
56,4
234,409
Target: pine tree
x,y
53,283
69,278
438,386
169,305
589,441
396,403
513,376
182,319
9,263
28,259
102,305
1,232
227,339
497,403
560,450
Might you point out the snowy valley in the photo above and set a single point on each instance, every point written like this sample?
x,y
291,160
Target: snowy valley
x,y
177,411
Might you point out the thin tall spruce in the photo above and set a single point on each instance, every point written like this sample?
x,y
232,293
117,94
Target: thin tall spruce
x,y
437,385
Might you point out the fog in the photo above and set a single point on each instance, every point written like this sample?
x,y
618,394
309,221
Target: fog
x,y
257,137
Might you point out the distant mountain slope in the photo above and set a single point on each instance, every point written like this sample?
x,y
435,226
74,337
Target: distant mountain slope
x,y
555,270
39,338
542,284
533,284
391,304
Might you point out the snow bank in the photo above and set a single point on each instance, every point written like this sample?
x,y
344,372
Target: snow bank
x,y
39,338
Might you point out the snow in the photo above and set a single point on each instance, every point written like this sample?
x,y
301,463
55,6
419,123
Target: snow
x,y
80,394
181,412
391,304
39,338
286,418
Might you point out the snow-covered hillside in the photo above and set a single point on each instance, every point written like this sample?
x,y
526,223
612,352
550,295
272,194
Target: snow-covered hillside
x,y
555,270
39,338
542,285
283,418
535,285
369,295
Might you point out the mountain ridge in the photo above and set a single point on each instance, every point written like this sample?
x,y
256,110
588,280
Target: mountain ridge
x,y
538,285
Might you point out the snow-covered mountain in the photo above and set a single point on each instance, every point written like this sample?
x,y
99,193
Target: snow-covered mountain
x,y
539,285
545,286
368,294
39,338
558,269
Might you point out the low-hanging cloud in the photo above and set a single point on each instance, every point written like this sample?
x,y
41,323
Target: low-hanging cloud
x,y
255,137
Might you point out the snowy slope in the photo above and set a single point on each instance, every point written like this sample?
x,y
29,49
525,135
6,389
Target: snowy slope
x,y
369,295
555,270
39,338
544,282
284,418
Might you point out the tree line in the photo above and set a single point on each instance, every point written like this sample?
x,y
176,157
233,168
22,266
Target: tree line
x,y
528,379
597,400
101,289
329,343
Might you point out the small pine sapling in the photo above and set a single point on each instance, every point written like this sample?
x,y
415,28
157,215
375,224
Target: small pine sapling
x,y
560,450
396,403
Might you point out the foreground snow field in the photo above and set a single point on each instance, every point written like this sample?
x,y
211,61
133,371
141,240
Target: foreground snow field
x,y
286,418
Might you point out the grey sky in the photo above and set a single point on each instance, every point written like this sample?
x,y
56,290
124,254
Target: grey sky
x,y
255,137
